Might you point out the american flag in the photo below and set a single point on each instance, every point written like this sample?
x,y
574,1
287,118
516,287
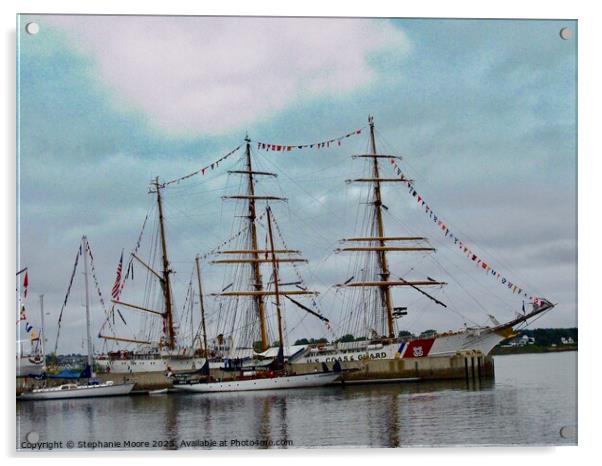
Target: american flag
x,y
117,285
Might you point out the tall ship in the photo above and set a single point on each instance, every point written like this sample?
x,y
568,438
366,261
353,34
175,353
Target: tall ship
x,y
372,281
140,333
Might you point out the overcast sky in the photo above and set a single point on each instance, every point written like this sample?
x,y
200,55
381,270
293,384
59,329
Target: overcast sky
x,y
483,113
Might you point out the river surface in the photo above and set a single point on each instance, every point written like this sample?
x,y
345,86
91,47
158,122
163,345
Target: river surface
x,y
533,397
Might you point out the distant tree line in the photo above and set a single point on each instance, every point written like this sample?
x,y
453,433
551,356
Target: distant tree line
x,y
348,338
543,336
550,336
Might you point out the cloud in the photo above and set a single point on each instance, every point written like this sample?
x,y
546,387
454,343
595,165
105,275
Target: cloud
x,y
198,75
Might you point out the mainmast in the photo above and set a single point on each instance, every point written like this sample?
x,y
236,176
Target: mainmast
x,y
379,243
385,289
252,217
166,286
255,256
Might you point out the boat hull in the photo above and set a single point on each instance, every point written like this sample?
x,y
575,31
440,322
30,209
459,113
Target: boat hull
x,y
444,345
317,379
86,391
159,364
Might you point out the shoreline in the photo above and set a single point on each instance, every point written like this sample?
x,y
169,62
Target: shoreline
x,y
531,349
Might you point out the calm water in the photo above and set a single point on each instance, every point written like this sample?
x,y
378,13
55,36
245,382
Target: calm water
x,y
531,399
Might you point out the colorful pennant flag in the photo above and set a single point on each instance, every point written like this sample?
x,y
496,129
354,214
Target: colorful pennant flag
x,y
461,245
202,171
287,148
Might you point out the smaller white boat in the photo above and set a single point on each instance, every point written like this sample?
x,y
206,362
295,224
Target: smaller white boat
x,y
72,390
161,391
314,379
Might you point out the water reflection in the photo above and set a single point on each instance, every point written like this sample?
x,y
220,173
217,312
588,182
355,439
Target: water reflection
x,y
522,406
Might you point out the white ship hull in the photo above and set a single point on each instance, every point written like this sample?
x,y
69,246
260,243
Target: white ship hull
x,y
158,364
317,379
78,391
439,346
481,340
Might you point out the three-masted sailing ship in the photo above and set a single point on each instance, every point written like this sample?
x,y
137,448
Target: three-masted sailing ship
x,y
146,348
373,280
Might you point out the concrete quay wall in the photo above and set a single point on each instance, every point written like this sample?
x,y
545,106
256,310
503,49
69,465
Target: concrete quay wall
x,y
468,365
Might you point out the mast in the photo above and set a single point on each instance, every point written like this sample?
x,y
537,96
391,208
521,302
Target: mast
x,y
191,307
385,289
378,242
42,331
252,255
88,333
197,259
168,316
259,302
275,276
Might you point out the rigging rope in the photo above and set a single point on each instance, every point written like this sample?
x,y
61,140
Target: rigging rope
x,y
58,331
96,282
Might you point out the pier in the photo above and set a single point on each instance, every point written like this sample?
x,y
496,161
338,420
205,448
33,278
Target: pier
x,y
468,365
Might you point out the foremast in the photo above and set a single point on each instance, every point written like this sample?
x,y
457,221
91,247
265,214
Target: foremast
x,y
380,243
168,340
165,272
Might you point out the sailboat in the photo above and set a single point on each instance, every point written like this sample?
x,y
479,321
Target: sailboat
x,y
150,352
91,388
374,298
248,362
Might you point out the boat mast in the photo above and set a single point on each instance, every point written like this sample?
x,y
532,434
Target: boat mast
x,y
88,333
379,243
259,301
42,331
168,315
275,278
255,256
197,259
385,288
191,307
